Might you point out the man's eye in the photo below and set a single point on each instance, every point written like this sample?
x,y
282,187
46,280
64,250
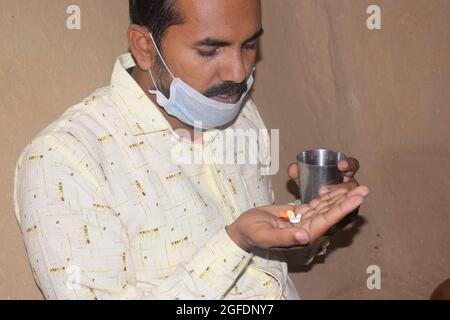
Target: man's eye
x,y
207,53
251,45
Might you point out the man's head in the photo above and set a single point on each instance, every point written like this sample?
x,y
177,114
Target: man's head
x,y
210,44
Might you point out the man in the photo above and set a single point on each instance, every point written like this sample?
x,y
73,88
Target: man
x,y
107,211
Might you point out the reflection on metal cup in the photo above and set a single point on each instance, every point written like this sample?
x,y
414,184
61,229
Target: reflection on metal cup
x,y
318,168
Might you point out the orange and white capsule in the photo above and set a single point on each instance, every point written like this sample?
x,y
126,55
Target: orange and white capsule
x,y
290,216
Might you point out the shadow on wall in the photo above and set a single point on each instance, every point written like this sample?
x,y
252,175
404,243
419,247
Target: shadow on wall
x,y
297,258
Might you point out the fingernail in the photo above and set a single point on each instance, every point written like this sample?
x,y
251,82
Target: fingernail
x,y
301,238
345,164
322,191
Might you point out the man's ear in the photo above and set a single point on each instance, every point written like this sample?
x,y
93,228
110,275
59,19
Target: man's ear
x,y
141,46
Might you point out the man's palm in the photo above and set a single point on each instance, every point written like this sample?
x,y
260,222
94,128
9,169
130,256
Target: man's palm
x,y
262,228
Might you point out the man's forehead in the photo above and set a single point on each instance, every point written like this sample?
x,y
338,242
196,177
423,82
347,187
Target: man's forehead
x,y
220,18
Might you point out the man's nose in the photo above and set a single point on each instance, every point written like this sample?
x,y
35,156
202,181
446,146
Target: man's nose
x,y
235,70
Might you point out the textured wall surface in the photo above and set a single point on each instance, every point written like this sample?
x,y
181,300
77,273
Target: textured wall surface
x,y
381,96
44,69
324,80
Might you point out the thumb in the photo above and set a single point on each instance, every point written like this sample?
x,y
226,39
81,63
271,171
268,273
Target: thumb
x,y
282,238
302,236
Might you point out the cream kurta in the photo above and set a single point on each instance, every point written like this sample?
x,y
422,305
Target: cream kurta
x,y
107,214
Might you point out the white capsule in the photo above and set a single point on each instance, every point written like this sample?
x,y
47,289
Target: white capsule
x,y
296,219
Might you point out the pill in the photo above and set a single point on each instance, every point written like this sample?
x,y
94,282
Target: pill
x,y
291,214
296,219
283,215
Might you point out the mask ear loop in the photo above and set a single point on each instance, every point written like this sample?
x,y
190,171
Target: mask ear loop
x,y
164,62
154,83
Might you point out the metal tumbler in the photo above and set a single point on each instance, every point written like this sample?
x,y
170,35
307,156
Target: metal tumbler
x,y
318,168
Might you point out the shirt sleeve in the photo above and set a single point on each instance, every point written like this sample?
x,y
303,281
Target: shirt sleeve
x,y
79,248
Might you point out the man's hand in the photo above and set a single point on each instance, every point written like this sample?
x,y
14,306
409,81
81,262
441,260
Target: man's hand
x,y
262,228
349,167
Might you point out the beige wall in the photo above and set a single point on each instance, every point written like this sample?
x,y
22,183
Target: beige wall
x,y
382,96
44,69
325,80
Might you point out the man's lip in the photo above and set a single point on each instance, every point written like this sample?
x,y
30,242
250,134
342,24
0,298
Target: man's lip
x,y
227,99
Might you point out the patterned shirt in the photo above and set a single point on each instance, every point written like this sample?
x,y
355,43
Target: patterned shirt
x,y
106,213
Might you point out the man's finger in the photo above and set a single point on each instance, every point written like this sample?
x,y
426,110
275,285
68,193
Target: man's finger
x,y
341,210
293,171
324,197
362,191
321,223
303,209
283,238
350,226
350,177
349,166
349,185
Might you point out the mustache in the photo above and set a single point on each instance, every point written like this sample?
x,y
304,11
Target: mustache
x,y
228,88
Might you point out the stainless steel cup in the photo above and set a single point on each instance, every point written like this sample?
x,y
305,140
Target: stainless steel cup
x,y
318,168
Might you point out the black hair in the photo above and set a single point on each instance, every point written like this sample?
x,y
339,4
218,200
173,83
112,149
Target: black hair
x,y
156,15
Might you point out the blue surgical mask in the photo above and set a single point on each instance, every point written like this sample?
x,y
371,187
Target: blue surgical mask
x,y
193,108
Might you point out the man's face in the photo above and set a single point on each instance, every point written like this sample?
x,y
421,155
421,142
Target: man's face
x,y
214,51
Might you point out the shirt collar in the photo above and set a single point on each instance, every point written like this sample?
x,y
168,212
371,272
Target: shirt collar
x,y
140,113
